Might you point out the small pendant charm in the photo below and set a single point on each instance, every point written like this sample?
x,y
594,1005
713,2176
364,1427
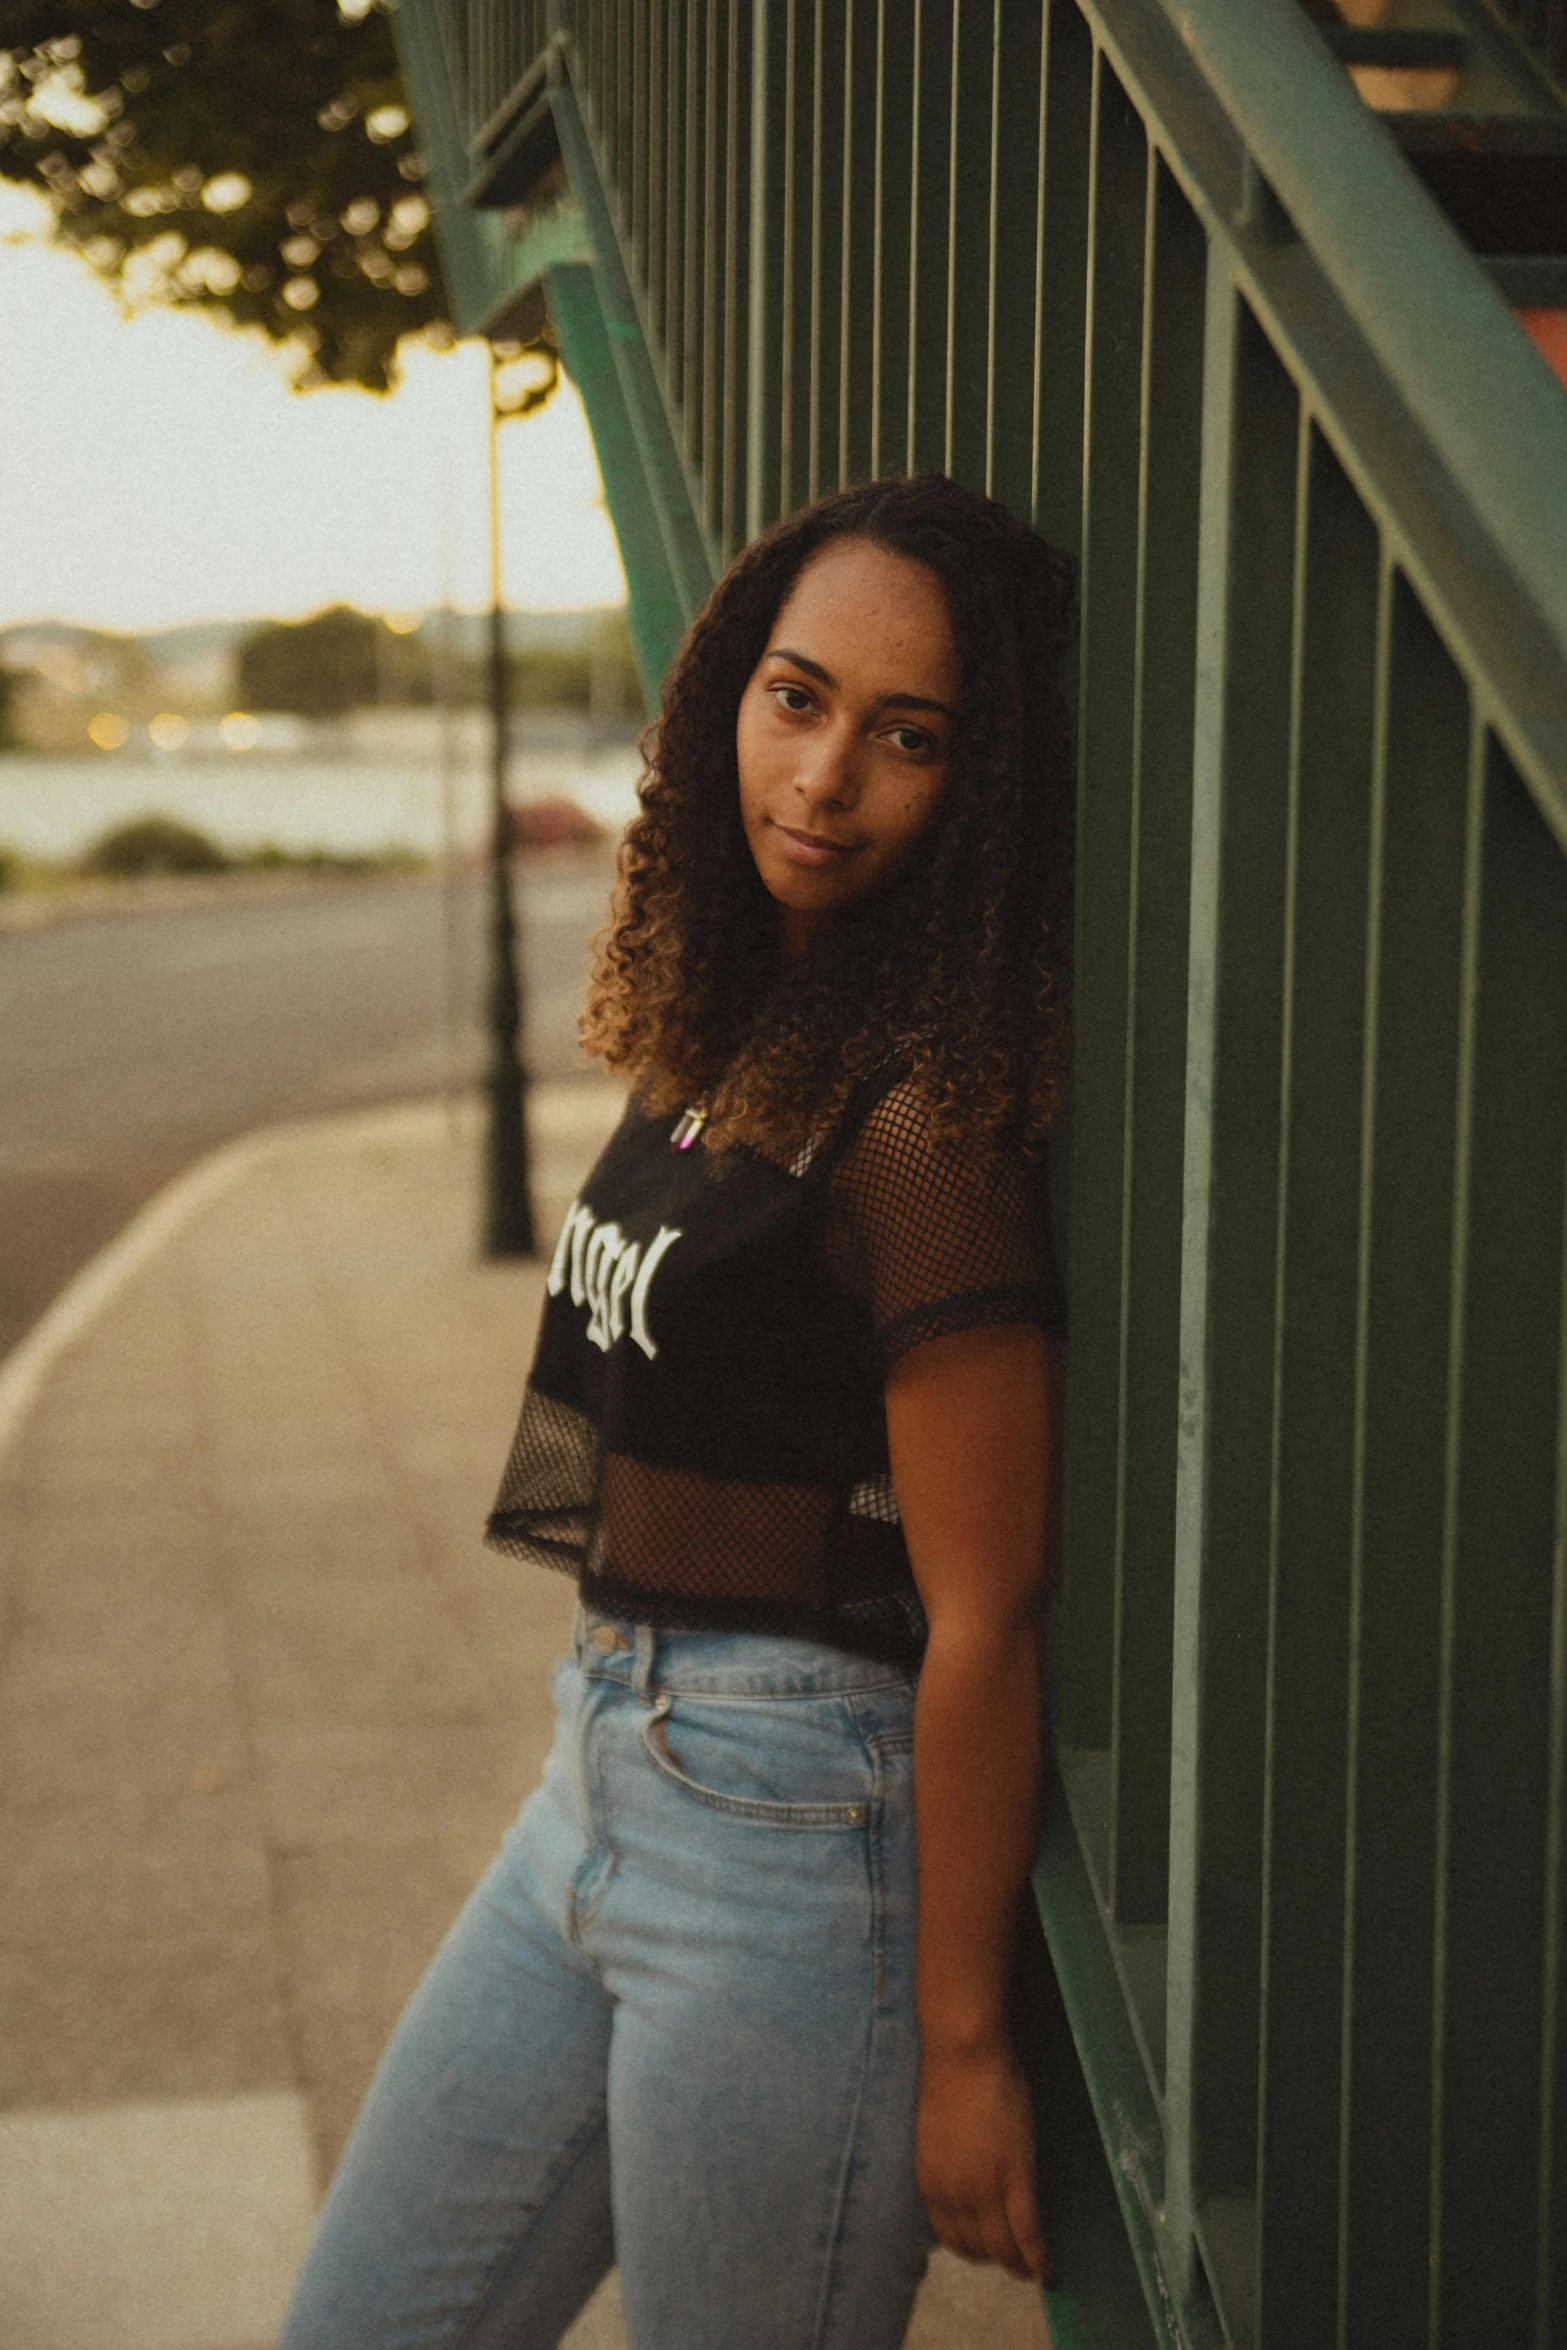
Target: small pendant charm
x,y
687,1129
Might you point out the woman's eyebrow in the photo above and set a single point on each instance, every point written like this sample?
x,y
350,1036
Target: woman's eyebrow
x,y
802,661
826,677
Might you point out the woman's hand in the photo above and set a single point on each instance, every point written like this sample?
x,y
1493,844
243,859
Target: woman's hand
x,y
975,2161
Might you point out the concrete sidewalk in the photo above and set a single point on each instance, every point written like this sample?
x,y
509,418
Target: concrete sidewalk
x,y
265,1706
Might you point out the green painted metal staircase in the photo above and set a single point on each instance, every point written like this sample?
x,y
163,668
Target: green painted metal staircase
x,y
1152,273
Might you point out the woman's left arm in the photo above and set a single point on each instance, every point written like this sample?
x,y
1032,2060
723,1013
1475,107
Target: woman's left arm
x,y
971,1426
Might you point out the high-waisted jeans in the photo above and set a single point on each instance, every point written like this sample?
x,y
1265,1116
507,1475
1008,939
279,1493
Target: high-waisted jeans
x,y
673,2028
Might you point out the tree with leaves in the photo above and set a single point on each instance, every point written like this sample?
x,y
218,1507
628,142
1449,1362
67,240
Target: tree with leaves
x,y
320,667
253,157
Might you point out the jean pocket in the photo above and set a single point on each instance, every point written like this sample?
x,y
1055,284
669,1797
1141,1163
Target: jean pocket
x,y
749,1753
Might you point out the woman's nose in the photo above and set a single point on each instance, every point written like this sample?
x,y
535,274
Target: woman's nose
x,y
826,775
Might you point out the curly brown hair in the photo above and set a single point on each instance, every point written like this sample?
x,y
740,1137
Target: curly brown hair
x,y
960,967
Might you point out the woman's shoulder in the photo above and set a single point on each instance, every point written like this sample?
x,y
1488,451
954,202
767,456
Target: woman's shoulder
x,y
893,1133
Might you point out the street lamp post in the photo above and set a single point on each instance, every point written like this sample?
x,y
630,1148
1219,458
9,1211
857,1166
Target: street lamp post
x,y
508,1208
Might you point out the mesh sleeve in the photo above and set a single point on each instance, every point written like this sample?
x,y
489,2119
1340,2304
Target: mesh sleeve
x,y
932,1238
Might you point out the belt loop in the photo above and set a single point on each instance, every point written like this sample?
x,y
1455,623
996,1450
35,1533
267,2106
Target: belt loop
x,y
642,1670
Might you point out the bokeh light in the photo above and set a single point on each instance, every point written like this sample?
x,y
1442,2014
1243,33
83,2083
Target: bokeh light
x,y
240,731
108,730
228,192
169,730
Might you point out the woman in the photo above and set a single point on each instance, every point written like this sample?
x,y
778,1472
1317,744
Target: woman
x,y
790,1423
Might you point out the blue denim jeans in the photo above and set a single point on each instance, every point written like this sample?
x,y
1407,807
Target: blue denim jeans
x,y
673,2028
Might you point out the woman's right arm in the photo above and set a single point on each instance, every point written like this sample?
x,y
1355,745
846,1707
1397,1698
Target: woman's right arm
x,y
971,1422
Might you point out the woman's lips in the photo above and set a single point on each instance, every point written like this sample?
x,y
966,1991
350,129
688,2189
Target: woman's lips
x,y
811,848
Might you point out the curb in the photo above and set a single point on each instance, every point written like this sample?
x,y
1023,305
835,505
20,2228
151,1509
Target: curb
x,y
90,1292
24,913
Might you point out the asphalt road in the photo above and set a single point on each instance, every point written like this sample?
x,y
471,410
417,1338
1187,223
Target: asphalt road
x,y
130,1044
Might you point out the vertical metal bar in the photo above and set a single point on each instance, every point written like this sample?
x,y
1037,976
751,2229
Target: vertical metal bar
x,y
857,259
992,247
1218,437
1551,2316
788,360
1412,1023
1057,495
818,226
609,75
878,234
967,261
713,308
1458,1244
1113,370
674,205
1314,1447
475,35
830,197
770,39
1223,1487
692,271
614,74
1164,662
916,165
653,273
626,101
954,86
929,218
1494,1820
664,299
738,200
1242,1259
896,68
1376,824
846,243
637,17
797,337
853,221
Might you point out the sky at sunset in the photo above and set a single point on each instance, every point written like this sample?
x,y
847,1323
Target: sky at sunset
x,y
158,470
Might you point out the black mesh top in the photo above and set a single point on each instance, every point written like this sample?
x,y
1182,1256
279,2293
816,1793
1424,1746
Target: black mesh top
x,y
703,1440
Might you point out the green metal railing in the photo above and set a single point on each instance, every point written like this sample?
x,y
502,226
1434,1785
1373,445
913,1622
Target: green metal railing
x,y
1146,270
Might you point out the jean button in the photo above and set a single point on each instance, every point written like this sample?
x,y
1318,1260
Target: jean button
x,y
606,1639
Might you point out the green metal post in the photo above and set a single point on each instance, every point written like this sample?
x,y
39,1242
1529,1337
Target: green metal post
x,y
508,1210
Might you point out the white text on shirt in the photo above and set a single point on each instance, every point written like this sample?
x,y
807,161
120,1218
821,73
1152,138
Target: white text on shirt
x,y
609,1274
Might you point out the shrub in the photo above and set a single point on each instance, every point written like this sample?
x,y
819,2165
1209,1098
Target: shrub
x,y
154,844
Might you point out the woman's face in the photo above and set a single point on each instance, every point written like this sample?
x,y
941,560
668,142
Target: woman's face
x,y
845,730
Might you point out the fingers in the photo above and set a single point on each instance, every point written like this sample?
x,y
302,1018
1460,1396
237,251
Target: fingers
x,y
1006,2233
1022,2207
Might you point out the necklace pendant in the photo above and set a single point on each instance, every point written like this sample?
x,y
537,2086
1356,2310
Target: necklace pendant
x,y
687,1129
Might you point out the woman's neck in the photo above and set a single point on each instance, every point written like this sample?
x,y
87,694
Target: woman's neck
x,y
797,931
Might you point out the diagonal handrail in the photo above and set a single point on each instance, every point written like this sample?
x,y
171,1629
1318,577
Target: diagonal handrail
x,y
1494,415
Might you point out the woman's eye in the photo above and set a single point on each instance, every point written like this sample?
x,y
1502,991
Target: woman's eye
x,y
912,739
792,698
